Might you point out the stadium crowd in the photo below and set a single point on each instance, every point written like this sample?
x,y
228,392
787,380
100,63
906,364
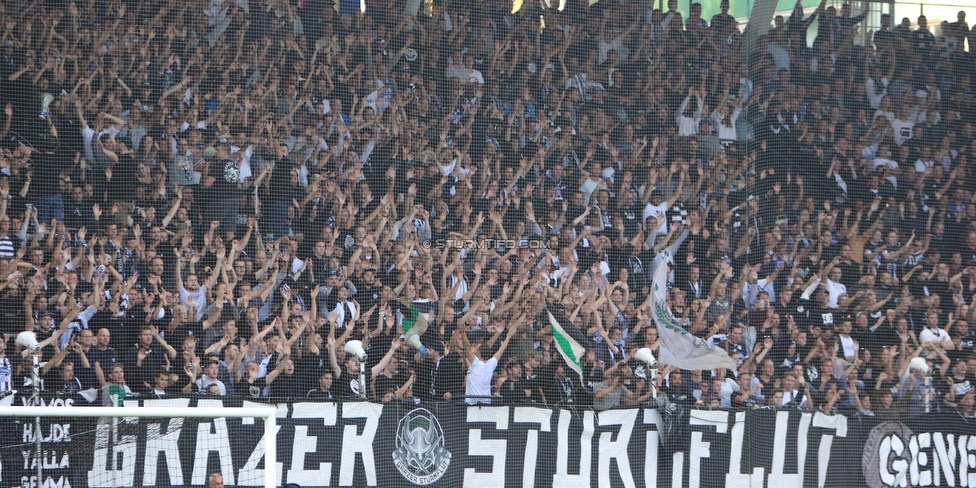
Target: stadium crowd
x,y
215,197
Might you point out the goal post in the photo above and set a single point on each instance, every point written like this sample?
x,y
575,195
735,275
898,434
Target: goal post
x,y
246,414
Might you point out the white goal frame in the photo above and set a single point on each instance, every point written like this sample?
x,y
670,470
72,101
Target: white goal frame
x,y
271,477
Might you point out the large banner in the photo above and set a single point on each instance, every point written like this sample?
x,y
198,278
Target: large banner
x,y
453,445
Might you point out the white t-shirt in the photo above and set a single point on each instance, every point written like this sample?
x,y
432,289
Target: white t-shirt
x,y
479,381
341,308
688,126
474,76
902,130
934,335
587,188
729,386
199,300
879,162
203,384
655,211
789,395
834,290
921,166
876,90
848,344
726,132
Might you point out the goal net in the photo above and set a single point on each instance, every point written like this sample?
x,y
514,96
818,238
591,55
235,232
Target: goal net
x,y
165,444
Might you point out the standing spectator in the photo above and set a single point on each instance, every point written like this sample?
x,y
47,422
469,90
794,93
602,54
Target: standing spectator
x,y
324,390
480,371
350,387
146,356
209,378
745,398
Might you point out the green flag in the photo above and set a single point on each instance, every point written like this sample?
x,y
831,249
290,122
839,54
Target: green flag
x,y
416,321
563,331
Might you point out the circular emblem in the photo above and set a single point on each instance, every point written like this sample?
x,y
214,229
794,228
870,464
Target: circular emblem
x,y
231,172
420,455
812,374
532,67
410,54
886,455
184,165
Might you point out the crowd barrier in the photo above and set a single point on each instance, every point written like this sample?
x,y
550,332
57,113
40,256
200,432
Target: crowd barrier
x,y
454,445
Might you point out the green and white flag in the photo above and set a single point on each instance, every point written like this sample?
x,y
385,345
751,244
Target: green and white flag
x,y
416,321
568,340
680,348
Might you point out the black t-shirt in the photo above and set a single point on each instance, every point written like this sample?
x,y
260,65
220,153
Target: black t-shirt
x,y
785,309
384,382
368,295
279,186
105,359
317,394
45,170
138,376
850,273
884,38
224,188
632,220
121,187
85,375
933,287
310,367
817,315
348,387
767,386
966,346
287,385
741,405
250,390
514,391
722,24
868,339
26,101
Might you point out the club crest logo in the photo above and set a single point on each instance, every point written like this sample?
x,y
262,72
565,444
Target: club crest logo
x,y
420,455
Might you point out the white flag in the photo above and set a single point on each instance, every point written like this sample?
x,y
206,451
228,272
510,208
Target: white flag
x,y
679,347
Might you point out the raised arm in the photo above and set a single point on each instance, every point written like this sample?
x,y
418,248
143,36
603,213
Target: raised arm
x,y
272,375
512,332
376,370
331,343
170,351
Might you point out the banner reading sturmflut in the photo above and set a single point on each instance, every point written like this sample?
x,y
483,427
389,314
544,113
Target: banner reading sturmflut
x,y
680,348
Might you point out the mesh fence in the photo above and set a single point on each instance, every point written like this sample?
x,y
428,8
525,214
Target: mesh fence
x,y
580,207
130,451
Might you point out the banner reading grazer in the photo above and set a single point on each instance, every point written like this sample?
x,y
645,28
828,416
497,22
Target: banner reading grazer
x,y
452,445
